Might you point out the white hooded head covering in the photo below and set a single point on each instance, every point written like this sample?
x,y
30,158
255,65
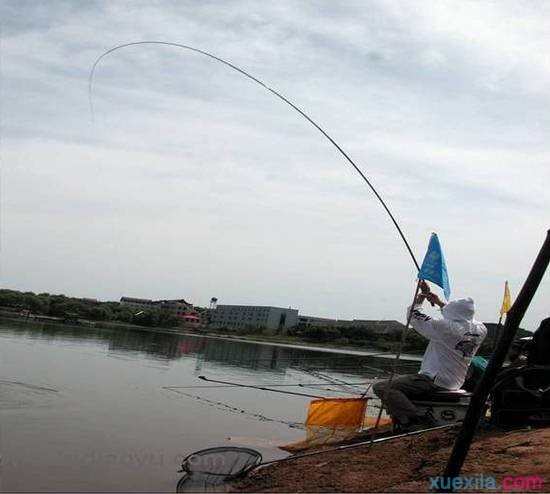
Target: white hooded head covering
x,y
459,310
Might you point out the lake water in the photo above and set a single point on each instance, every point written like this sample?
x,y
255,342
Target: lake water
x,y
87,410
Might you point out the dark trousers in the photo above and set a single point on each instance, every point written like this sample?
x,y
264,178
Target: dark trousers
x,y
396,395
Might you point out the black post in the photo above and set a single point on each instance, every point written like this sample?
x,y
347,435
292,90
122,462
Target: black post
x,y
513,320
498,331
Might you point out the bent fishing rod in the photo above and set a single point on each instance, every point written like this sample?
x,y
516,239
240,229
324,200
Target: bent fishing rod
x,y
275,93
271,385
263,388
223,386
231,384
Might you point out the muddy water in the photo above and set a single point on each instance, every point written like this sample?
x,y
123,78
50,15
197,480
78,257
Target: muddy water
x,y
87,410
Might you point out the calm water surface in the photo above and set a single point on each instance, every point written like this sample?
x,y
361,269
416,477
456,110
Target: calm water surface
x,y
85,409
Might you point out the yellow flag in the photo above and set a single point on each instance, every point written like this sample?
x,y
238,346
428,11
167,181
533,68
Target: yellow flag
x,y
506,301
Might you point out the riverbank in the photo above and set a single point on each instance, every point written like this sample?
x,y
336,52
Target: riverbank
x,y
408,464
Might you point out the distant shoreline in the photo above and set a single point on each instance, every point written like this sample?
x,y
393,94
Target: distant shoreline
x,y
272,340
301,344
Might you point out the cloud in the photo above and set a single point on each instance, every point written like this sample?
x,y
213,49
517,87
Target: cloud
x,y
194,182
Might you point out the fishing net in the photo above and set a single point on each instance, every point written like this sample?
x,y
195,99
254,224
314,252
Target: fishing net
x,y
371,422
207,470
331,420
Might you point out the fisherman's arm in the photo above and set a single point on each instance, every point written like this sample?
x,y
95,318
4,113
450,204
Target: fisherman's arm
x,y
420,322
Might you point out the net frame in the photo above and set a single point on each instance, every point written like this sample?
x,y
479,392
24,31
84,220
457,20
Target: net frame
x,y
255,458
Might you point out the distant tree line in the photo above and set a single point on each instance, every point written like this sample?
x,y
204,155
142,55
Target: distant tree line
x,y
71,307
364,336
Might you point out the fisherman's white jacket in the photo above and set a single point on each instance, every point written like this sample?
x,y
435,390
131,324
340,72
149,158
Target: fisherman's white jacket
x,y
454,340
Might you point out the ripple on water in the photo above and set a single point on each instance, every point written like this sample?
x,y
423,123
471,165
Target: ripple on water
x,y
15,395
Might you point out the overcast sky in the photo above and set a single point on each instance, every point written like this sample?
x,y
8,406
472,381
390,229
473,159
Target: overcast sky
x,y
194,182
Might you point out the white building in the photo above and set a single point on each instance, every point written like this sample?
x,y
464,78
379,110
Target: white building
x,y
275,319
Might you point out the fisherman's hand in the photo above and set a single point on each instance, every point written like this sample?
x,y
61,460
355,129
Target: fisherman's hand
x,y
435,300
424,287
420,299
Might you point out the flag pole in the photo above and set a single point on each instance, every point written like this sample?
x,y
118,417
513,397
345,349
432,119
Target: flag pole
x,y
498,332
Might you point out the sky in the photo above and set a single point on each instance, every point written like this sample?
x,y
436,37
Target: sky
x,y
193,182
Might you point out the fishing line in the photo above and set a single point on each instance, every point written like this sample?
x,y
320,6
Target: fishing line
x,y
275,93
332,380
346,357
331,390
352,362
220,405
354,366
29,386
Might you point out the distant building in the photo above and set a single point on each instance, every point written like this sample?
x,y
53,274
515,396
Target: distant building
x,y
253,316
275,319
178,307
312,321
137,303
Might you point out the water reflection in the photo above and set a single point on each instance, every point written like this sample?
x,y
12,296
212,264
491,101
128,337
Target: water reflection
x,y
166,347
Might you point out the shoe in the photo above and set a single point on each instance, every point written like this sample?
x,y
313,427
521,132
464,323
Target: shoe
x,y
410,427
418,423
428,420
414,424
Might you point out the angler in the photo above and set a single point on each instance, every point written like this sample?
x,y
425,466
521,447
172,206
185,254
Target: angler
x,y
454,340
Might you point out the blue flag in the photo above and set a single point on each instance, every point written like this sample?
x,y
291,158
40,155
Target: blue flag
x,y
434,268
